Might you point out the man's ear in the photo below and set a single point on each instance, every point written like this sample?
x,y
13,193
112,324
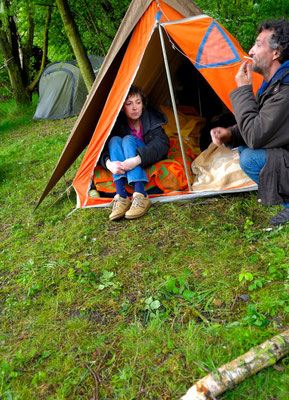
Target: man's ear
x,y
276,54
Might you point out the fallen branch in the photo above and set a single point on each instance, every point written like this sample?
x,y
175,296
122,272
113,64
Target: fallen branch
x,y
229,375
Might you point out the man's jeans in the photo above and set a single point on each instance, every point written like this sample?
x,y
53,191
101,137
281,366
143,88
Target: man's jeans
x,y
252,161
122,148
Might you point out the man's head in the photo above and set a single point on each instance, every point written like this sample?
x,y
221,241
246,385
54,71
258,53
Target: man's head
x,y
271,47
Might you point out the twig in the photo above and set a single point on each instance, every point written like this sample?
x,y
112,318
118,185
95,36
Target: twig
x,y
234,302
6,63
200,315
96,377
96,380
201,366
106,353
140,390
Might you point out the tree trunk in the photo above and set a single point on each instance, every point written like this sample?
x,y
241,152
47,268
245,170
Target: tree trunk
x,y
20,93
76,43
27,47
234,372
45,49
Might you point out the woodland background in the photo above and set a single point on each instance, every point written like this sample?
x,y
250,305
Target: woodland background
x,y
34,33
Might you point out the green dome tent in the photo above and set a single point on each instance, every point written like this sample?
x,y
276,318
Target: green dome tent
x,y
62,91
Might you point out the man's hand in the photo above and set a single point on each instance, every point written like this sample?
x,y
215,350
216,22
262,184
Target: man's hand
x,y
220,135
115,167
131,163
244,75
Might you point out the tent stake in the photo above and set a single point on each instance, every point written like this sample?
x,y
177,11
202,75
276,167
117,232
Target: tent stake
x,y
174,104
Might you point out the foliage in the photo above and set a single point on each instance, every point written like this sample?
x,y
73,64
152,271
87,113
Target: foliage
x,y
242,17
148,305
97,23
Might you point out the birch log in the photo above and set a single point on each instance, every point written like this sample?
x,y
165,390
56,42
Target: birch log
x,y
229,375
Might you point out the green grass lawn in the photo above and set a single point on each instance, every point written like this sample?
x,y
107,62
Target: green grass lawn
x,y
147,305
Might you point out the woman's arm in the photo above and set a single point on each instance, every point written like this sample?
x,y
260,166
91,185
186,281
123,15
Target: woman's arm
x,y
131,163
156,148
115,167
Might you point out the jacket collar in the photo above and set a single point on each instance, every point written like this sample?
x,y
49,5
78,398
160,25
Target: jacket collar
x,y
282,72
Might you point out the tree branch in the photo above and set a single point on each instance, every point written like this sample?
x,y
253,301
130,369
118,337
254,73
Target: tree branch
x,y
45,49
236,371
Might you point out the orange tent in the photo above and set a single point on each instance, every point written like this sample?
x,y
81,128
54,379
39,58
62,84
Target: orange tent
x,y
137,57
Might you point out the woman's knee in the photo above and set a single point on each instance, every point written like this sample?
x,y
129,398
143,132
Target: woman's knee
x,y
115,141
128,140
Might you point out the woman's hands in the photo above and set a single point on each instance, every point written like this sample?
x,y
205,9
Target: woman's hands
x,y
121,167
131,163
115,167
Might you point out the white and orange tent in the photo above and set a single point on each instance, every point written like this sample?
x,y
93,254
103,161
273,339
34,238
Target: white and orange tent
x,y
153,39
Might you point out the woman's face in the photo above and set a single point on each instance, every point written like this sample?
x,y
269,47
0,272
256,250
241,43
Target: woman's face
x,y
133,107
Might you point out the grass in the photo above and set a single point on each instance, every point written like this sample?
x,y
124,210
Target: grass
x,y
148,305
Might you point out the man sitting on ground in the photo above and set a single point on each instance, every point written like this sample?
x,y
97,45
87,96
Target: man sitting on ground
x,y
262,129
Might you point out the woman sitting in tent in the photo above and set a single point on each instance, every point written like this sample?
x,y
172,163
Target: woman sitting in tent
x,y
136,142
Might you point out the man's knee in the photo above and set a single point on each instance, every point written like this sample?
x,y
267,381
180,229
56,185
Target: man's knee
x,y
244,160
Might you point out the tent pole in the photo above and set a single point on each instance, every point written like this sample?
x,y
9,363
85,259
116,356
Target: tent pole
x,y
174,105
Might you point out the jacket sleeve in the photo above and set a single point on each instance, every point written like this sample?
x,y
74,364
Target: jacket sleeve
x,y
260,127
237,139
156,149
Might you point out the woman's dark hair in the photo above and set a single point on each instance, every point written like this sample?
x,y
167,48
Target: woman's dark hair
x,y
134,90
280,36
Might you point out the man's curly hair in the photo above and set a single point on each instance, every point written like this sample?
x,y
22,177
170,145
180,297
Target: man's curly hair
x,y
280,36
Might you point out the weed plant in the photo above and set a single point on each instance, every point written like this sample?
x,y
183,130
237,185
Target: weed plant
x,y
148,305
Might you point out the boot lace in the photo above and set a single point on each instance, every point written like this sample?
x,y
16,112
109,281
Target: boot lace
x,y
137,202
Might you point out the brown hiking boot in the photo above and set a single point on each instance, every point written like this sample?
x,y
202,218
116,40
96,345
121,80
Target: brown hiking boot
x,y
140,205
119,207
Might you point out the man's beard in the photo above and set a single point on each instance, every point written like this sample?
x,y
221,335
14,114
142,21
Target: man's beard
x,y
260,68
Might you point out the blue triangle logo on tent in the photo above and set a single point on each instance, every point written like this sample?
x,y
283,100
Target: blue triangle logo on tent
x,y
216,49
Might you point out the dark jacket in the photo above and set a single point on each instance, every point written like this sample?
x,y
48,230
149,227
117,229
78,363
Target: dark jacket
x,y
263,123
157,142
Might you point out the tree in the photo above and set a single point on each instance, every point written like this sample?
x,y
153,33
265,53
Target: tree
x,y
242,17
96,21
45,49
76,43
9,45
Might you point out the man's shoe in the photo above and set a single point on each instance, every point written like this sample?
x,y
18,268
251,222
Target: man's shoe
x,y
281,218
119,207
140,205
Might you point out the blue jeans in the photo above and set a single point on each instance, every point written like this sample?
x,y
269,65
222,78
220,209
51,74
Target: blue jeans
x,y
122,148
252,161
